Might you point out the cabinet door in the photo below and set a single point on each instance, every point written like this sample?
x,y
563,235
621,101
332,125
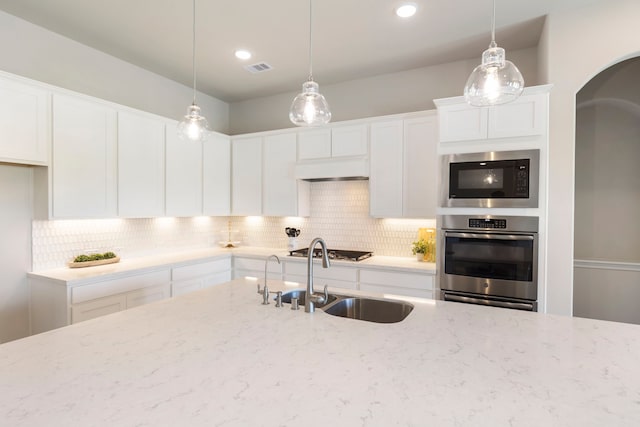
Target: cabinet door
x,y
246,176
184,175
281,194
522,117
84,156
216,172
140,166
349,141
420,167
314,144
23,123
462,122
385,179
97,307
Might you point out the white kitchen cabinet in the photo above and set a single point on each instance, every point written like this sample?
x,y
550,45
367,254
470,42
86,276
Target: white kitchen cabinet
x,y
24,120
184,175
254,267
246,176
385,170
420,172
336,141
54,305
334,276
84,159
141,150
98,307
283,194
397,283
216,173
189,278
526,116
403,168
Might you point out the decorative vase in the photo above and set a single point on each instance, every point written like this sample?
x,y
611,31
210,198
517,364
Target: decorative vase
x,y
420,257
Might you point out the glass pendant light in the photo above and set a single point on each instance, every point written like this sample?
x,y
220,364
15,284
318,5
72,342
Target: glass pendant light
x,y
193,127
310,108
496,80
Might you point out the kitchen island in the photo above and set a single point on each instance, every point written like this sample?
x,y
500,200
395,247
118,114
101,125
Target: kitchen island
x,y
218,357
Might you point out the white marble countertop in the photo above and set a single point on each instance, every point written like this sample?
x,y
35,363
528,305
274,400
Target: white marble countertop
x,y
218,357
73,276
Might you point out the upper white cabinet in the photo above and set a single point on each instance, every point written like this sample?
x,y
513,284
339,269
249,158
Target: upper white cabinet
x,y
525,116
385,173
24,134
184,175
84,159
216,170
246,176
403,168
337,141
141,150
283,195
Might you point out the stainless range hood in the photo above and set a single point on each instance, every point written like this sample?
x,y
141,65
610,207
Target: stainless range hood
x,y
333,169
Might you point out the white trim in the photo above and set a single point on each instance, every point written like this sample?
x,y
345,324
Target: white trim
x,y
606,265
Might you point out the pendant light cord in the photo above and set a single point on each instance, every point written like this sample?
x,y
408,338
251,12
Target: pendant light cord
x,y
193,54
493,26
310,40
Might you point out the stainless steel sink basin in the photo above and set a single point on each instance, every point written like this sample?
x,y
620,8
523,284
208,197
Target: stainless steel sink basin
x,y
371,310
300,294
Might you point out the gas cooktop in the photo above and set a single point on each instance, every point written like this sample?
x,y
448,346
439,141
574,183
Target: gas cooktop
x,y
338,254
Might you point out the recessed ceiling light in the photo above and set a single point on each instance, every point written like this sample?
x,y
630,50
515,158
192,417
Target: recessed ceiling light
x,y
243,54
407,10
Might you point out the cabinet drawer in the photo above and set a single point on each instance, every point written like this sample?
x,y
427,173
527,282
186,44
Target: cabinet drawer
x,y
216,279
118,286
319,282
198,270
334,273
256,265
396,279
181,288
96,308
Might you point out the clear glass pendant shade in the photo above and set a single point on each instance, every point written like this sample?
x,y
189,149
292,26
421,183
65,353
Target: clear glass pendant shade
x,y
193,126
495,81
309,108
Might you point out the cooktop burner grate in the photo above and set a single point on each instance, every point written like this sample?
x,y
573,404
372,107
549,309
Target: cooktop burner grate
x,y
338,254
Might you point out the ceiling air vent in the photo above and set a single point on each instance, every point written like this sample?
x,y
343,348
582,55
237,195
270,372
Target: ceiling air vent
x,y
258,68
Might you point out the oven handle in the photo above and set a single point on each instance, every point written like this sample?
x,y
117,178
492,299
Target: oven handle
x,y
491,302
489,236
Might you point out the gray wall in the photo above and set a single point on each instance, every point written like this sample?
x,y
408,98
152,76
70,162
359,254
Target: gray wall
x,y
402,92
607,195
39,54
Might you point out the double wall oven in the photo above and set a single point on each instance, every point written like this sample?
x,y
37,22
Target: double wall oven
x,y
486,258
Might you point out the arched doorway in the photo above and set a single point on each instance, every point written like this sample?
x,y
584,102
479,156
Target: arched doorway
x,y
607,196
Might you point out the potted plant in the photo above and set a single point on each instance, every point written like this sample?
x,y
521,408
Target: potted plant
x,y
420,248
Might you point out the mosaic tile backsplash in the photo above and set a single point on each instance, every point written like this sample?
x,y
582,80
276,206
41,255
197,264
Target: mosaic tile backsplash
x,y
339,214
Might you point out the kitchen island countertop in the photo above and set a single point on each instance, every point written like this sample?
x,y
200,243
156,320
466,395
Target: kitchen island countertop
x,y
219,357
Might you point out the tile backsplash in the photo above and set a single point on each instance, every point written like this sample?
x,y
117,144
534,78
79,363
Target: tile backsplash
x,y
339,214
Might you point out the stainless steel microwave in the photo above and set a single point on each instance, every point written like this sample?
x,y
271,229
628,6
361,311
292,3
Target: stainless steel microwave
x,y
495,179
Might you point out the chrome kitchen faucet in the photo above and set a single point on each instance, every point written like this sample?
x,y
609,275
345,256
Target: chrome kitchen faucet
x,y
311,299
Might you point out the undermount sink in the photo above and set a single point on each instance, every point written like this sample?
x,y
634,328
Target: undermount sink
x,y
371,310
360,308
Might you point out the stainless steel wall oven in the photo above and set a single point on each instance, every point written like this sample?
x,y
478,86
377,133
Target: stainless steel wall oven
x,y
489,260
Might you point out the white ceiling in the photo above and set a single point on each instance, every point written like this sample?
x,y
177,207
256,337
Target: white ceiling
x,y
352,38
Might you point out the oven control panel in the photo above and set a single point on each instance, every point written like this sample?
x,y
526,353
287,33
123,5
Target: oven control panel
x,y
487,223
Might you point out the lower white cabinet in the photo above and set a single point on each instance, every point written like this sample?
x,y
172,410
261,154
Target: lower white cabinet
x,y
202,275
397,283
334,276
254,267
